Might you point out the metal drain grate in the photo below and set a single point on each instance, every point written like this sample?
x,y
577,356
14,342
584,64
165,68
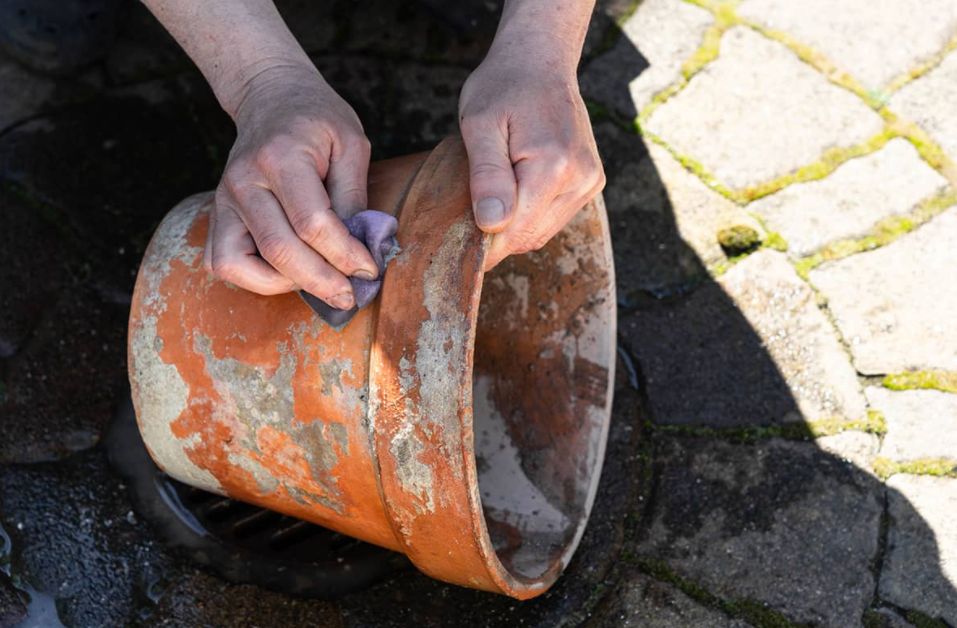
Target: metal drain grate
x,y
239,541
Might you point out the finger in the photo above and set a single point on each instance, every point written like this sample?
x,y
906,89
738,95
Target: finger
x,y
279,245
305,203
491,177
541,211
233,256
347,180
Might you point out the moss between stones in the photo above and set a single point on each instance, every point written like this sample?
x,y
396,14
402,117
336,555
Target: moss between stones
x,y
937,467
830,161
881,234
922,69
726,16
945,381
920,620
753,612
873,423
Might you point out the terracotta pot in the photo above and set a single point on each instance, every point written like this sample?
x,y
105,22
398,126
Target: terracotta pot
x,y
460,419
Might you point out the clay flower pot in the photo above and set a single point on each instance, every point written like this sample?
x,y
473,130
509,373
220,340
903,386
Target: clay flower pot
x,y
460,419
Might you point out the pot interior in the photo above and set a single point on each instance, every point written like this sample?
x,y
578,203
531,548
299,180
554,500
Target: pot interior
x,y
544,360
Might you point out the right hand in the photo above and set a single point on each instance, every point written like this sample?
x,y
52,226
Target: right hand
x,y
298,166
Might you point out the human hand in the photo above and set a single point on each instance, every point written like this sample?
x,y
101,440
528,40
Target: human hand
x,y
299,165
532,155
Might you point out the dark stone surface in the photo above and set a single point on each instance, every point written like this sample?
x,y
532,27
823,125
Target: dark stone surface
x,y
649,251
703,364
777,523
12,608
642,601
75,537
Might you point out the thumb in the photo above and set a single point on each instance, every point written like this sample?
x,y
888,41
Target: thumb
x,y
491,177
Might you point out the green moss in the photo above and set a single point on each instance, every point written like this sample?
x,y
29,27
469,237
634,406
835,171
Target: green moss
x,y
873,423
706,52
945,381
830,161
738,239
750,611
921,620
937,467
776,241
923,68
690,164
882,233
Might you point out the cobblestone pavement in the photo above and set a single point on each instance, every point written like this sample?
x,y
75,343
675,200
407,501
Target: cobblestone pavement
x,y
781,189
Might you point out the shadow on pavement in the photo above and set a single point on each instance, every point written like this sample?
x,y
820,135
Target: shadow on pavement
x,y
689,526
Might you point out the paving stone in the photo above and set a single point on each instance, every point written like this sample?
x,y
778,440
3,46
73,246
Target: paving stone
x,y
664,220
856,33
750,349
852,199
655,41
648,603
920,566
928,101
894,305
58,391
778,523
747,122
886,618
29,96
33,266
920,423
199,599
852,446
12,608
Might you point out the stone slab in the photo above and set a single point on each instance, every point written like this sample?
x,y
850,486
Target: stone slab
x,y
895,305
643,602
777,523
664,220
920,566
647,57
749,349
929,101
748,122
848,202
852,446
27,99
920,423
855,34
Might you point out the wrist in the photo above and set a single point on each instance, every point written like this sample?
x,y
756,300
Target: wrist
x,y
543,35
272,83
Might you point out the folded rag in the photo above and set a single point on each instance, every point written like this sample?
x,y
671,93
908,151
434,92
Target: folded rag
x,y
376,230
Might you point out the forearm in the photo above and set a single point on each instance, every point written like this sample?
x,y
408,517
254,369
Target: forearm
x,y
235,43
546,32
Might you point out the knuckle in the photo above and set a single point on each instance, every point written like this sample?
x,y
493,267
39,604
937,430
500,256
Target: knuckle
x,y
233,182
311,226
276,250
271,155
488,169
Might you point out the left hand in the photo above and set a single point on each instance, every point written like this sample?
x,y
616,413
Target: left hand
x,y
532,156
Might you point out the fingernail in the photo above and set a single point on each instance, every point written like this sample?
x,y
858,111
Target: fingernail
x,y
364,274
489,211
343,301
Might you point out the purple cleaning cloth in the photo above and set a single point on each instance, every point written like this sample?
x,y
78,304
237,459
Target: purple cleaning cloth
x,y
376,230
